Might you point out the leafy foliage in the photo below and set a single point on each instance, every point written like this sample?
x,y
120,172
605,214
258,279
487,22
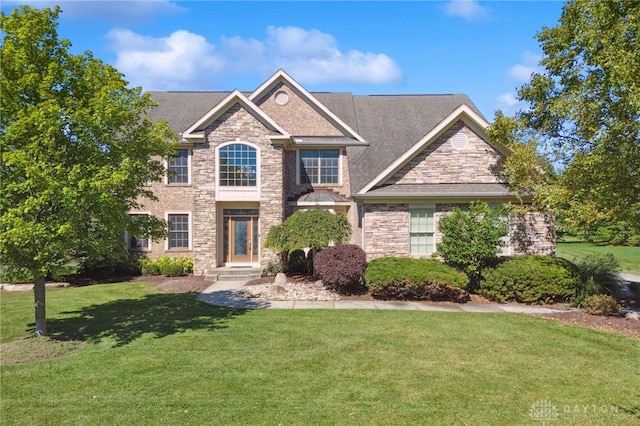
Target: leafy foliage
x,y
419,279
76,148
531,279
167,266
598,275
600,304
585,107
471,239
342,267
314,229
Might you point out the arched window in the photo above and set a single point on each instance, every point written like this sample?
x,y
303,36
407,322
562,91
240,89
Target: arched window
x,y
238,165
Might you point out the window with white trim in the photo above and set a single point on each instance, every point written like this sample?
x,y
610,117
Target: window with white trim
x,y
178,167
238,165
178,231
319,166
135,242
421,230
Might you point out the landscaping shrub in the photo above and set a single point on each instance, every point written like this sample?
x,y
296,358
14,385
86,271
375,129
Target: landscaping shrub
x,y
271,269
531,279
172,269
149,267
167,266
342,268
600,304
416,279
298,263
14,274
598,275
118,264
472,239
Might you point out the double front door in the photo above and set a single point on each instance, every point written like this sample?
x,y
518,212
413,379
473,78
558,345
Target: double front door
x,y
240,235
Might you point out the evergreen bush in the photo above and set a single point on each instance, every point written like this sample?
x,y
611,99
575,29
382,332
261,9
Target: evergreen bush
x,y
416,279
531,279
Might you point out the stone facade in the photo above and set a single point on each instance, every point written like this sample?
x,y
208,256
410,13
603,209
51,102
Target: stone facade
x,y
386,231
296,116
381,227
440,162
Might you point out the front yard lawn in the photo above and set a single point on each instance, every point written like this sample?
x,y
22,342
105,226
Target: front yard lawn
x,y
628,257
157,358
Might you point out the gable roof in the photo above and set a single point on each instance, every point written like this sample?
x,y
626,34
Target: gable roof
x,y
196,130
391,125
282,77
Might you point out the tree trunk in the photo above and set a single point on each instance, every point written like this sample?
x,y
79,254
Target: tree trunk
x,y
39,298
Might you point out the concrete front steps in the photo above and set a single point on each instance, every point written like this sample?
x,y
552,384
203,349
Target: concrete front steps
x,y
236,273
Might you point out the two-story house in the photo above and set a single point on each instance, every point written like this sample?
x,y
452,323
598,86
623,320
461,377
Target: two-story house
x,y
393,163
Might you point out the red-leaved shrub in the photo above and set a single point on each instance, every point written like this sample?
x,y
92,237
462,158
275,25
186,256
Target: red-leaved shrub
x,y
341,268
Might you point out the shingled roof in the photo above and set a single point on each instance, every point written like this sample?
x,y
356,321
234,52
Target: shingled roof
x,y
391,124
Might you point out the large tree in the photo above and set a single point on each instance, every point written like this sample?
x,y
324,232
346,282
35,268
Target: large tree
x,y
77,151
583,109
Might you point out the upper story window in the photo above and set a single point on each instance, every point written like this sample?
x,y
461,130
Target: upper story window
x,y
178,167
238,165
319,166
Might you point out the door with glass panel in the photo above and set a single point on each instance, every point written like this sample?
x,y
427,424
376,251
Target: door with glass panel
x,y
240,235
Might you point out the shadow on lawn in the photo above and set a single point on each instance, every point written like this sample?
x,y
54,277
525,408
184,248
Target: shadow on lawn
x,y
125,320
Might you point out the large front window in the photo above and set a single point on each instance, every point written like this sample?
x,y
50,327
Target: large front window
x,y
179,167
238,165
178,231
319,166
421,231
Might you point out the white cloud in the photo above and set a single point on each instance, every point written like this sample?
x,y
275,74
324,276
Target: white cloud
x,y
184,60
313,57
466,9
167,63
117,11
521,73
508,103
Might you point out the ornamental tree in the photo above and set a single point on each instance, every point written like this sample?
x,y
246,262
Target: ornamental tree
x,y
472,239
313,229
77,151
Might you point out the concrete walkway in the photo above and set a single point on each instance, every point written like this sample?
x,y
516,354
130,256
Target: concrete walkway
x,y
226,293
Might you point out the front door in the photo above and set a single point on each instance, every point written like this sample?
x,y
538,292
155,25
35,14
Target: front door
x,y
241,238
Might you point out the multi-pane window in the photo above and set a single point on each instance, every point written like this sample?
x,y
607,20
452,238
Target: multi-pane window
x,y
178,230
238,165
179,167
421,229
135,242
319,166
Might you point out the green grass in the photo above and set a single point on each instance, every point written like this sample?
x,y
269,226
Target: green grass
x,y
628,257
168,359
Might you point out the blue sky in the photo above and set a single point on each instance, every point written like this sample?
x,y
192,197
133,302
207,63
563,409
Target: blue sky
x,y
486,49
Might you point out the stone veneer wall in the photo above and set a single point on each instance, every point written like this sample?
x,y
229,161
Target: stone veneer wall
x,y
386,230
479,162
296,116
236,124
533,233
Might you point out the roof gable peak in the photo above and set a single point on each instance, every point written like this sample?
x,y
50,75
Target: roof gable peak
x,y
281,76
196,131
